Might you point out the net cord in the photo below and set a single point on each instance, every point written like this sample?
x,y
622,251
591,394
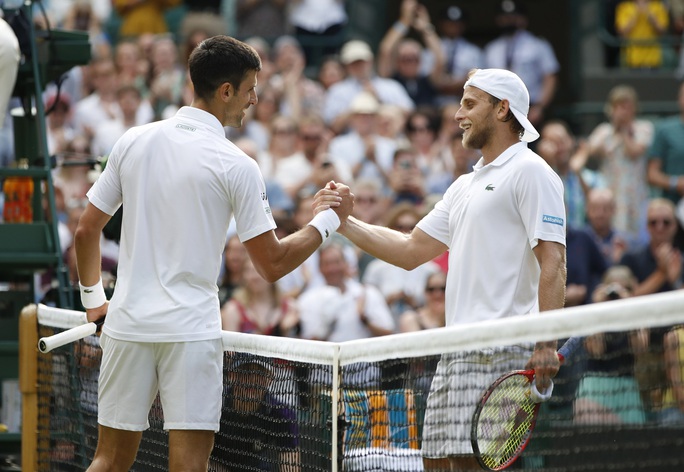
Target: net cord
x,y
618,315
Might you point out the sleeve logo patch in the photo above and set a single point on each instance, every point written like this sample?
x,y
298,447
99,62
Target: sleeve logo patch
x,y
555,220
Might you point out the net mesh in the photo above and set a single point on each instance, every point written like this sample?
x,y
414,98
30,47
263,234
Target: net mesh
x,y
297,405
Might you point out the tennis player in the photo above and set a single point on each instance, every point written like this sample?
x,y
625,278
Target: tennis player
x,y
504,227
180,181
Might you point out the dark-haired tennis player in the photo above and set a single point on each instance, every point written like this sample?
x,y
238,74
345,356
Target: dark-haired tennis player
x,y
504,227
180,181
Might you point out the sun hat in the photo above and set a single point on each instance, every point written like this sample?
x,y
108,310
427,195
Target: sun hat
x,y
364,103
355,50
505,85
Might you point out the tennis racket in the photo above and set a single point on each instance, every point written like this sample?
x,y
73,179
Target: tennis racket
x,y
506,415
48,343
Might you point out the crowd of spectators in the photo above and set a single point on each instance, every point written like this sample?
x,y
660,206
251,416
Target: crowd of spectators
x,y
382,122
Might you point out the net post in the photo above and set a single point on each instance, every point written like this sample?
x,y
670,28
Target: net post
x,y
335,399
28,385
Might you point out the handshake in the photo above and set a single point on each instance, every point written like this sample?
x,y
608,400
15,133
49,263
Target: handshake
x,y
332,206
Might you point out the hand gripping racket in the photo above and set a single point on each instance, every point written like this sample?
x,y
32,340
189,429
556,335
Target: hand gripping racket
x,y
48,343
507,413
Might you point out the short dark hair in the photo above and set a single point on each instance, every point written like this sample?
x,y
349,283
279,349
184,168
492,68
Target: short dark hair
x,y
218,60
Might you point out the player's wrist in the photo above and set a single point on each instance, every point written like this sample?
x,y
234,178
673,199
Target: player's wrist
x,y
326,222
93,296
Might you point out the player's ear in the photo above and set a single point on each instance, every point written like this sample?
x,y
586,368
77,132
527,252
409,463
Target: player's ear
x,y
502,109
225,91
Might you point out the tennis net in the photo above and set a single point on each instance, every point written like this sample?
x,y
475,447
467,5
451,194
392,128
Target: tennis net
x,y
295,405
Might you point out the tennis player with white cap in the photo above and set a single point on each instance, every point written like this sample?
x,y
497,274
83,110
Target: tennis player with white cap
x,y
504,227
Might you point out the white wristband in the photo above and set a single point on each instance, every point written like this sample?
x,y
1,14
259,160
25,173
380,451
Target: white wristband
x,y
539,397
326,222
93,297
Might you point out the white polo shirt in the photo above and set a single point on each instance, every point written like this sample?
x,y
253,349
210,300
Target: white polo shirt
x,y
180,182
491,219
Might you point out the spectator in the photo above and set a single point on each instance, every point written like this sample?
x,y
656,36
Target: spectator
x,y
406,181
370,206
234,257
568,158
421,130
585,266
258,127
168,76
621,144
665,162
519,51
282,149
299,93
432,313
330,72
460,55
257,429
102,105
641,23
608,393
403,289
463,162
343,309
107,133
131,65
258,307
264,18
600,215
400,57
143,16
312,168
357,57
58,130
672,412
318,22
362,150
657,264
204,16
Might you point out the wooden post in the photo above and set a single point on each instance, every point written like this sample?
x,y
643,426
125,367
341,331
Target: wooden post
x,y
28,385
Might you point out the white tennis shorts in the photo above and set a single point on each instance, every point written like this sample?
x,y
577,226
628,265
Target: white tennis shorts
x,y
459,382
188,377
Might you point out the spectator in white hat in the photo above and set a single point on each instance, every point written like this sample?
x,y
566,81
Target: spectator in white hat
x,y
357,57
504,227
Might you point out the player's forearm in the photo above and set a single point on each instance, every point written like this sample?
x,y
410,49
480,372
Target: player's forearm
x,y
88,257
380,242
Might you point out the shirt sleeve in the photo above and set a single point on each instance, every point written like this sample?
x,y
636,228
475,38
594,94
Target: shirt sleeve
x,y
249,200
539,194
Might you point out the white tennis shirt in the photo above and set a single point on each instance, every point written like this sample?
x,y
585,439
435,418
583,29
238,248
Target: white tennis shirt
x,y
491,220
180,182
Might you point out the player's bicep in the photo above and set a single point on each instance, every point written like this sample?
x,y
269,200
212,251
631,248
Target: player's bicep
x,y
550,254
263,250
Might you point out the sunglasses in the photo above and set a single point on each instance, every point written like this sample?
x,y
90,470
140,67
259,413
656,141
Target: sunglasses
x,y
666,222
440,288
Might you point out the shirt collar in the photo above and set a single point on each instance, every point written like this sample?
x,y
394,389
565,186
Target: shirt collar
x,y
204,117
503,157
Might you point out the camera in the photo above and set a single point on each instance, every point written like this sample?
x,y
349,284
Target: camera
x,y
612,294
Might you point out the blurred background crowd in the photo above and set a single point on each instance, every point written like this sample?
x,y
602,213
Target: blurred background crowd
x,y
373,108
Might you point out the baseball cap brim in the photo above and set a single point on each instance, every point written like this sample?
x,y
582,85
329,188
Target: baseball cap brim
x,y
531,133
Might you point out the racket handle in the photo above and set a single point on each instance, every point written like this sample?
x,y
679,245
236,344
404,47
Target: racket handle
x,y
49,343
569,347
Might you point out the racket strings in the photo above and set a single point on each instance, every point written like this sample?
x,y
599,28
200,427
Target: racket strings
x,y
505,421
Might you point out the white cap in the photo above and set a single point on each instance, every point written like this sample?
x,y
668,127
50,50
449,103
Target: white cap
x,y
364,103
505,85
355,50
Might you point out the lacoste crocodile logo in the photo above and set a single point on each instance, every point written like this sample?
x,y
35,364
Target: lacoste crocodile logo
x,y
489,187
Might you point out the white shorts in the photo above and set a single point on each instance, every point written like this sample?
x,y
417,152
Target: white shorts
x,y
459,382
188,377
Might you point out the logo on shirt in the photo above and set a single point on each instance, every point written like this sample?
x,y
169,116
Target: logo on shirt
x,y
264,197
186,127
554,220
489,187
